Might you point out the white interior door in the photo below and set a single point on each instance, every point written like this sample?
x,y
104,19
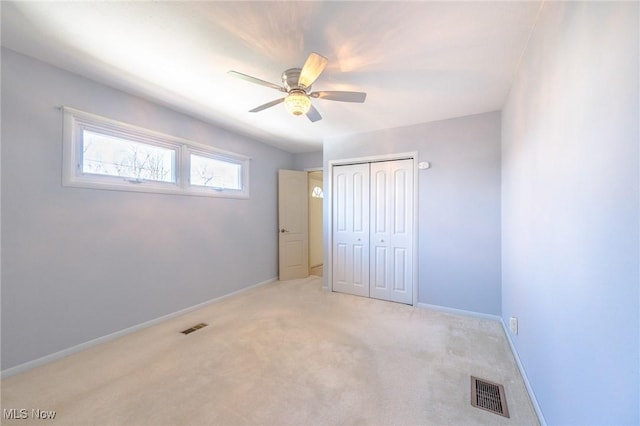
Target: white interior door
x,y
391,231
350,257
293,221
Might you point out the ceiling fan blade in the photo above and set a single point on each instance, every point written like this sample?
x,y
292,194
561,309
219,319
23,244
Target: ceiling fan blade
x,y
267,105
340,96
256,80
313,114
313,66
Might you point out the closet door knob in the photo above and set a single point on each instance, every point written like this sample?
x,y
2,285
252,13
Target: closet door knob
x,y
382,241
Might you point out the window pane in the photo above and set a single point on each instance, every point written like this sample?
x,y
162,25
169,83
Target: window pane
x,y
214,173
113,156
317,192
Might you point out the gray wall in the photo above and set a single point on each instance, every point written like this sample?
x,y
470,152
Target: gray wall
x,y
78,264
570,209
307,160
459,205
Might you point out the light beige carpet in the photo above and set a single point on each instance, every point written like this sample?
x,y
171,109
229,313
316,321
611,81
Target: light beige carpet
x,y
288,353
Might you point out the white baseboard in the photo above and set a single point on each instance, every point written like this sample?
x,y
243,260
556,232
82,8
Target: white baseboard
x,y
91,343
532,396
523,373
459,311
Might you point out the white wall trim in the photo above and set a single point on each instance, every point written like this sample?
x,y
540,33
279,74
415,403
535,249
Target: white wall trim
x,y
462,312
480,315
416,229
12,371
523,373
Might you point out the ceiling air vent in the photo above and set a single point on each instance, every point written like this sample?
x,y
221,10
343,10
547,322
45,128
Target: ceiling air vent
x,y
488,396
194,328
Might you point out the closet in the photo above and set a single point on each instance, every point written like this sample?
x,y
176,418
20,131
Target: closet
x,y
372,230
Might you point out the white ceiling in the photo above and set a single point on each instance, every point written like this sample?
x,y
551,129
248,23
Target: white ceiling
x,y
418,61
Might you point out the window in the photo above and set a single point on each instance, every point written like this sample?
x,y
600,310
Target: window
x,y
106,154
215,173
113,156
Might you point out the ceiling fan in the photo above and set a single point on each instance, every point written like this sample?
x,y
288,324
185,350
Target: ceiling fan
x,y
297,85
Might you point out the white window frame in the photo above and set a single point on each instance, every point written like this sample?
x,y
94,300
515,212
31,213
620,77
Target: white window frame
x,y
76,121
216,156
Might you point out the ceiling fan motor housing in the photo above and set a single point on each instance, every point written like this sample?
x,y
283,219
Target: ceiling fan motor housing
x,y
290,79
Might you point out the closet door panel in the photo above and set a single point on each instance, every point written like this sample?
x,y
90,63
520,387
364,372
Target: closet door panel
x,y
359,274
379,201
379,268
400,267
351,229
392,214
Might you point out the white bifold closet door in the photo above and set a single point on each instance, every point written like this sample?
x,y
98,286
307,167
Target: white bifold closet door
x,y
351,229
373,230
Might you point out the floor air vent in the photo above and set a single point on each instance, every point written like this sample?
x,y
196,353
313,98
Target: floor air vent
x,y
488,396
194,328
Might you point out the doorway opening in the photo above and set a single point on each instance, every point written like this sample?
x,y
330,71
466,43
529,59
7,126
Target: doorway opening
x,y
316,195
300,223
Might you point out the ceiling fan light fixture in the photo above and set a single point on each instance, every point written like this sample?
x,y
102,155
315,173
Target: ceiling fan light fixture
x,y
297,102
296,83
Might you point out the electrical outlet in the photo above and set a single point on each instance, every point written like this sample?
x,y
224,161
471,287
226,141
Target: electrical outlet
x,y
513,325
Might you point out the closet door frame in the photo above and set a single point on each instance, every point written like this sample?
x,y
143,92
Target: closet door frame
x,y
413,156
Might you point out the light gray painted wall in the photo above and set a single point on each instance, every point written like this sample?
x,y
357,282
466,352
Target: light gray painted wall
x,y
570,212
307,160
78,264
458,201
